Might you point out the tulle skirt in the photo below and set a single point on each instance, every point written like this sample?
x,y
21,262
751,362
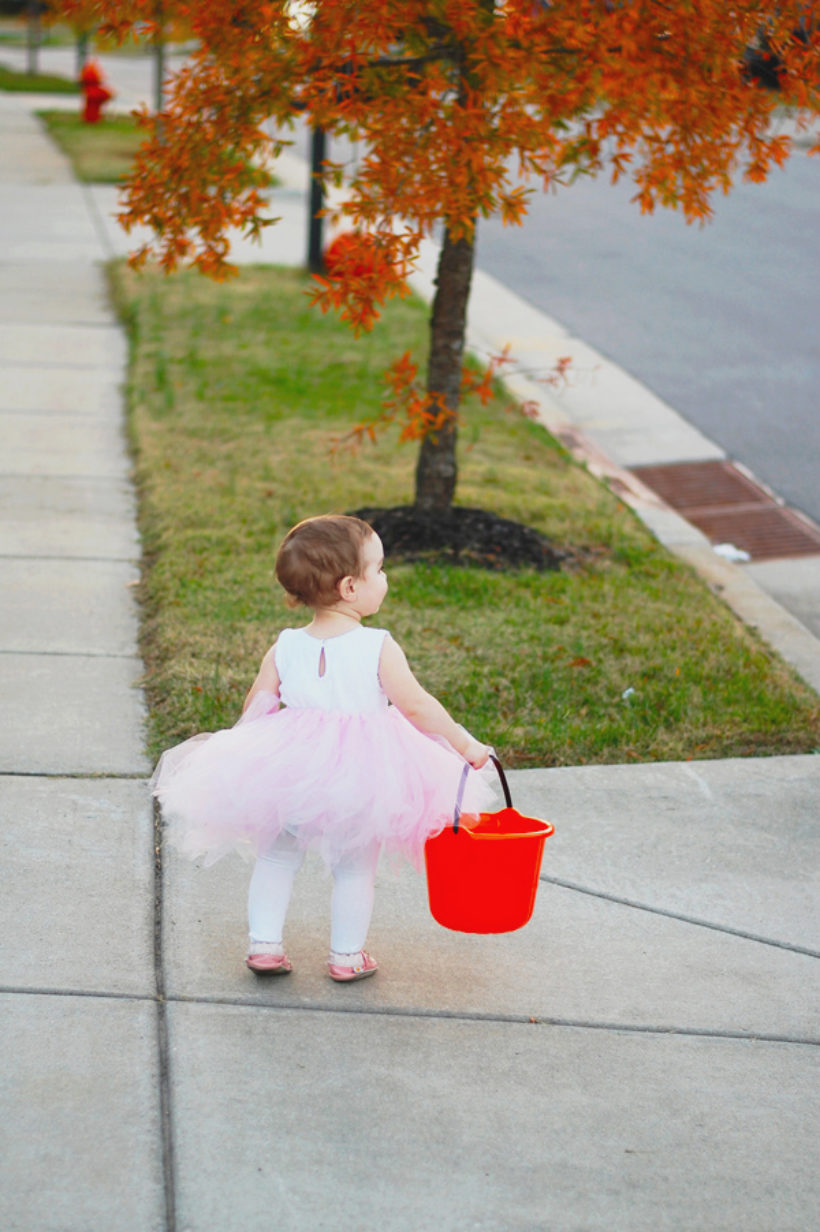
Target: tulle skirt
x,y
335,781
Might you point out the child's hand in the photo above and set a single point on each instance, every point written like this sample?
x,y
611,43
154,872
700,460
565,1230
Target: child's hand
x,y
477,754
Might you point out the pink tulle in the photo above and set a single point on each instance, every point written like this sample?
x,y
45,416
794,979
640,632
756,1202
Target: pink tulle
x,y
334,780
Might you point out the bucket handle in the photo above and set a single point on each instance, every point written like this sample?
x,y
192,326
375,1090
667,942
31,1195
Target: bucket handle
x,y
463,784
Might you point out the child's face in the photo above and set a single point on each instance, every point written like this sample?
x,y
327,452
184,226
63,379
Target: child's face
x,y
371,587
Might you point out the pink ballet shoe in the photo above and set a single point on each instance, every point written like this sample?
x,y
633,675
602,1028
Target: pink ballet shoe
x,y
359,967
266,963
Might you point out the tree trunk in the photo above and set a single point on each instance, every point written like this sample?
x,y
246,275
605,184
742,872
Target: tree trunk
x,y
436,471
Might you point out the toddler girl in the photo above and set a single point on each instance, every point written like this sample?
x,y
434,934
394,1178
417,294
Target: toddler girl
x,y
338,769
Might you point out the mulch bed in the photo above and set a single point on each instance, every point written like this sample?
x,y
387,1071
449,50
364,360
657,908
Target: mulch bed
x,y
462,536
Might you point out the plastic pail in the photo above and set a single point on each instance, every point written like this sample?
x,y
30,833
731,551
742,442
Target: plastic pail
x,y
482,873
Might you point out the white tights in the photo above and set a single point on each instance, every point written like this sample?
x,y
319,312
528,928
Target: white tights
x,y
351,904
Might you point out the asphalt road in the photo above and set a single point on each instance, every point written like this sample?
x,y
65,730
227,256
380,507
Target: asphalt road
x,y
721,321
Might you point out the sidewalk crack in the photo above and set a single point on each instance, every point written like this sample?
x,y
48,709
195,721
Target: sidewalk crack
x,y
677,915
410,1012
163,1043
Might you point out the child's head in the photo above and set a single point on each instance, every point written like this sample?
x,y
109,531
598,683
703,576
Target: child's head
x,y
317,554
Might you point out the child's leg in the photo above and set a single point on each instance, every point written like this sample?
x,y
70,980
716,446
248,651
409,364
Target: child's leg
x,y
271,887
354,879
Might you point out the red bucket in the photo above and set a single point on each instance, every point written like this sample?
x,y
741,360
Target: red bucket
x,y
482,873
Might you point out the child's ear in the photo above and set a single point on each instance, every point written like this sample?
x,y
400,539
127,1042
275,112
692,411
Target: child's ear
x,y
347,588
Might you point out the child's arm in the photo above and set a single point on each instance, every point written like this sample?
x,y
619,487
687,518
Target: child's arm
x,y
422,709
267,679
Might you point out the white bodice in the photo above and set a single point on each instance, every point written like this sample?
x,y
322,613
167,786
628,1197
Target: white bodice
x,y
350,682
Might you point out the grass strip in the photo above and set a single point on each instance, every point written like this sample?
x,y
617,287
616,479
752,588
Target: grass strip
x,y
35,83
104,153
235,391
99,153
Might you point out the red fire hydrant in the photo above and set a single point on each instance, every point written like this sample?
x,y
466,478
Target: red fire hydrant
x,y
96,92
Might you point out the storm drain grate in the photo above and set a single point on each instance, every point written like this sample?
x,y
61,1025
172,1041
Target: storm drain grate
x,y
764,531
702,485
729,507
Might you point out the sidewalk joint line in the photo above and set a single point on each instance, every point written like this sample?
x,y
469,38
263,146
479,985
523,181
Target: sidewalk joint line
x,y
539,1020
90,776
685,919
163,1042
121,480
89,415
56,365
511,1019
73,654
92,994
71,560
54,322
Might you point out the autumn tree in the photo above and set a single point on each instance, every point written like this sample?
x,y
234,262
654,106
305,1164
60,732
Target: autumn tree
x,y
462,107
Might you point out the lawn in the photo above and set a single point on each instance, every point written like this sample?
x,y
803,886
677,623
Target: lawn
x,y
236,391
35,83
99,153
103,153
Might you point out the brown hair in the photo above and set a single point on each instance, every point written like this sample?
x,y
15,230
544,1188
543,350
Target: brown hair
x,y
316,554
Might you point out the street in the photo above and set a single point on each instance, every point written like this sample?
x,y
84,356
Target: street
x,y
720,321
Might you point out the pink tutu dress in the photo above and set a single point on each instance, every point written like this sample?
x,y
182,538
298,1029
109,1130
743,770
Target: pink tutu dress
x,y
337,768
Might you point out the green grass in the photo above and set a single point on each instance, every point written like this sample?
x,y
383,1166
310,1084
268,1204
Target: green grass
x,y
35,83
235,392
99,153
102,153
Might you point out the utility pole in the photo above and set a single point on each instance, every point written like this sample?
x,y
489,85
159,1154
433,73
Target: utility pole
x,y
318,153
159,57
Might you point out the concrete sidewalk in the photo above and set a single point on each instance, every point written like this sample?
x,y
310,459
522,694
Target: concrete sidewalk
x,y
642,1056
